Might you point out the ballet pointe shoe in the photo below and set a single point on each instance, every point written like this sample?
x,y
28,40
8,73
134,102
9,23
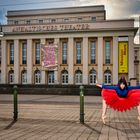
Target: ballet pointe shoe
x,y
103,119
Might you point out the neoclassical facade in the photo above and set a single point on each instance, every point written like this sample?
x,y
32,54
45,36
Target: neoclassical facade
x,y
89,46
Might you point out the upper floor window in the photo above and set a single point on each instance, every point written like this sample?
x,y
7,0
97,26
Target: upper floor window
x,y
107,51
64,53
78,52
11,53
24,53
66,19
16,22
93,52
93,18
40,21
37,53
28,22
80,19
53,20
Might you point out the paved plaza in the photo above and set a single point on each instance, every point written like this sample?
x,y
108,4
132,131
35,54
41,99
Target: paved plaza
x,y
56,117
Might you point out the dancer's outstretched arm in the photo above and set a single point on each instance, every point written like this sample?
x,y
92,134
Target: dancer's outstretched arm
x,y
105,86
99,85
133,87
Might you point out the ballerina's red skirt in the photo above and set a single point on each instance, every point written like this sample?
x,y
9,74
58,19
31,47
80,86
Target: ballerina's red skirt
x,y
121,104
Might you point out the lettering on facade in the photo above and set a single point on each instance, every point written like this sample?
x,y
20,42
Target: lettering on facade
x,y
44,28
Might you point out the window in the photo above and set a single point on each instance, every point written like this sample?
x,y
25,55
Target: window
x,y
11,77
93,18
28,22
66,19
16,22
93,52
24,77
107,77
136,54
64,77
24,53
11,53
64,53
0,76
80,19
37,53
107,52
37,77
78,77
51,77
40,21
78,52
53,20
0,53
92,77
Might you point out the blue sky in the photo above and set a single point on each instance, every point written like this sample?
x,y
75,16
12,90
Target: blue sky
x,y
115,9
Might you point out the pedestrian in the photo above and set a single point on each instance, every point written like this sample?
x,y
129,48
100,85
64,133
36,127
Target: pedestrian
x,y
121,97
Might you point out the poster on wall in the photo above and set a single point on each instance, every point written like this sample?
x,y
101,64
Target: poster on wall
x,y
123,57
49,55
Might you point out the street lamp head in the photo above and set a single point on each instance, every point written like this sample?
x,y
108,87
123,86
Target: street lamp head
x,y
1,32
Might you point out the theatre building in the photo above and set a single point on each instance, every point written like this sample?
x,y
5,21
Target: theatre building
x,y
89,46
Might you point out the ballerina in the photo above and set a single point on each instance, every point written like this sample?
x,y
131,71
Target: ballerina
x,y
121,97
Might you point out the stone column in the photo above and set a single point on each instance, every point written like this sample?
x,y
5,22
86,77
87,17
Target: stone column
x,y
57,71
100,60
29,61
16,62
115,60
85,61
3,62
131,57
70,60
43,72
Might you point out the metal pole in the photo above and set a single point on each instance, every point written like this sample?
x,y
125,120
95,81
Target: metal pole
x,y
82,104
15,103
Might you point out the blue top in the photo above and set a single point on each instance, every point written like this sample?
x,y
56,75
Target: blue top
x,y
121,92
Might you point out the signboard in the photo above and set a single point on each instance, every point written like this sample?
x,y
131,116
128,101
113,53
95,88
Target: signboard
x,y
45,28
123,57
49,55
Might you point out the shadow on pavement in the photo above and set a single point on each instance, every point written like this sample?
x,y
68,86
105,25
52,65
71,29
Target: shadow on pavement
x,y
10,125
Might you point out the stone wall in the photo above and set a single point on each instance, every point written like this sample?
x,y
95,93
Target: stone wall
x,y
50,89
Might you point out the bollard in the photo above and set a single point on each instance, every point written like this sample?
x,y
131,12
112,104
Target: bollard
x,y
15,103
82,104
